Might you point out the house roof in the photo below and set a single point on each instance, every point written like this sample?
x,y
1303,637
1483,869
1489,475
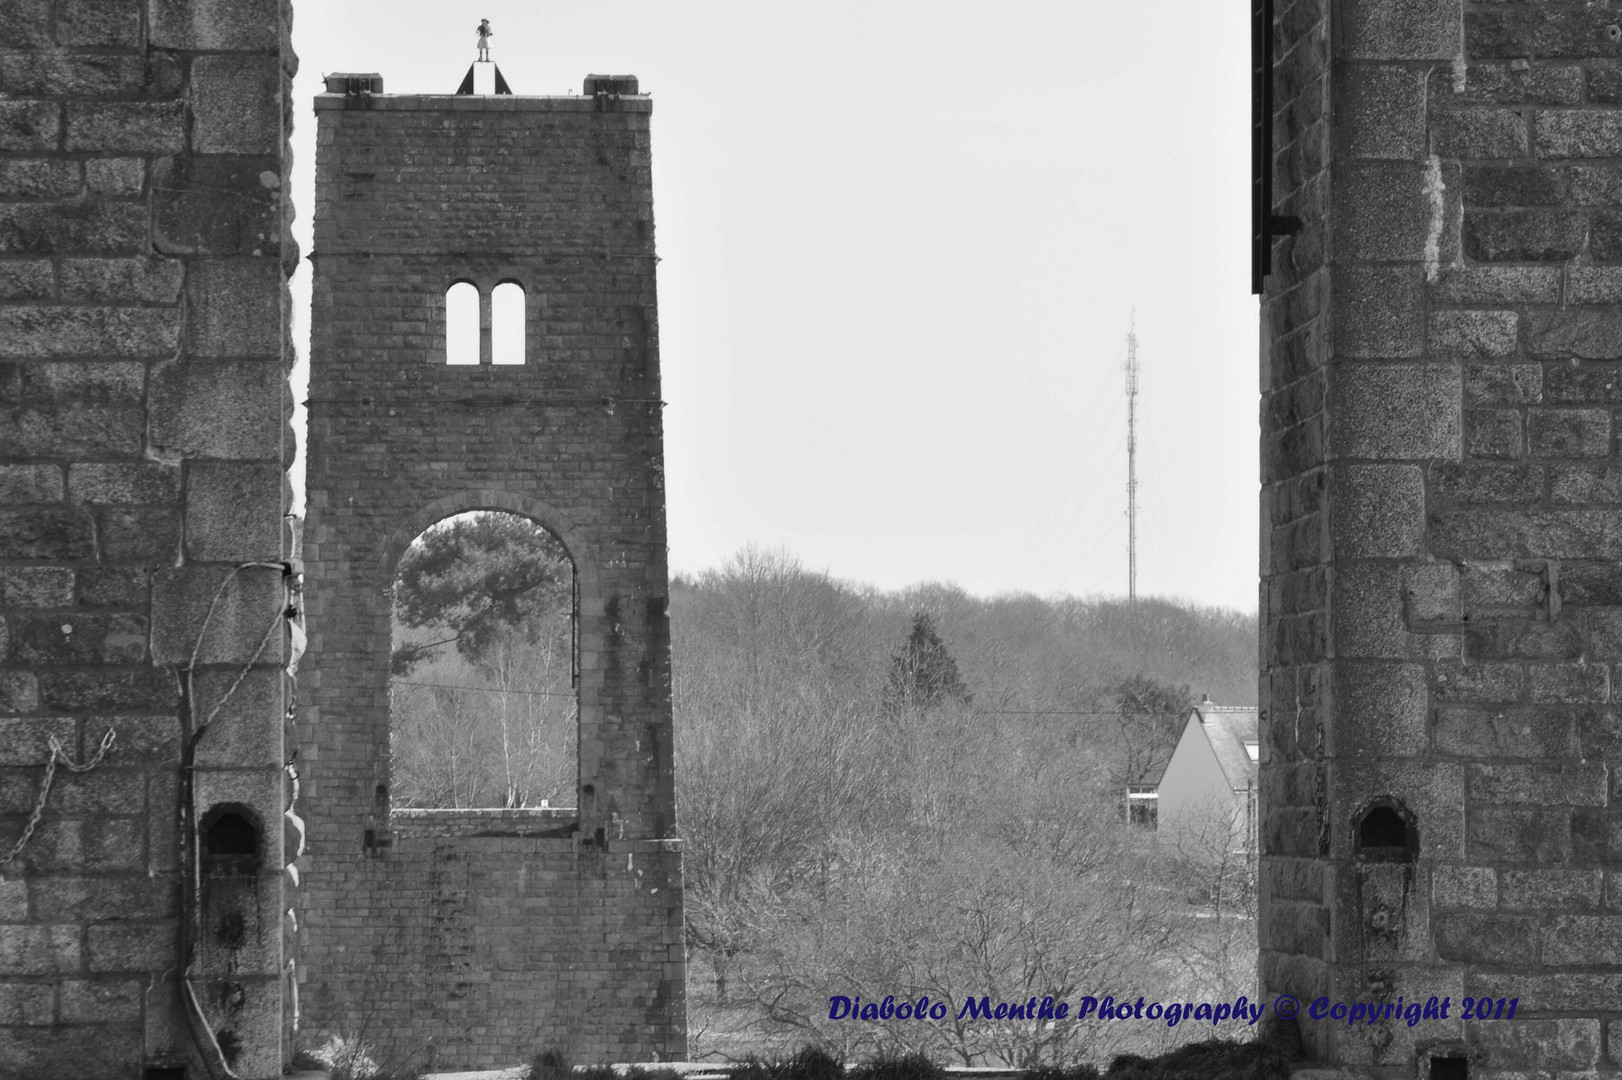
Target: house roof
x,y
1229,728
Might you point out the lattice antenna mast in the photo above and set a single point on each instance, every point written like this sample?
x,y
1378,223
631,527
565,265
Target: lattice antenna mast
x,y
1132,464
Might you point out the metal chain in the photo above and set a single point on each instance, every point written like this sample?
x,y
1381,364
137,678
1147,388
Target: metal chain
x,y
57,754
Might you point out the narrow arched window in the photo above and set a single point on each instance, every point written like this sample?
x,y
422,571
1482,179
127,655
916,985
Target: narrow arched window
x,y
462,323
507,323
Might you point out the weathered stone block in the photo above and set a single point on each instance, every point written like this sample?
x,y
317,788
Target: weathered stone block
x,y
121,281
1482,483
1513,732
78,228
1570,683
1577,133
1380,512
235,101
124,483
45,532
90,332
1496,285
1396,411
1503,384
1381,313
30,483
29,126
1487,939
135,947
1384,112
116,176
1499,534
1493,434
217,529
235,308
112,586
1463,887
1403,30
26,24
1575,485
147,690
135,127
1538,1045
78,638
1383,211
237,620
105,899
36,586
215,24
1381,709
99,22
1550,889
1473,334
216,205
148,535
1479,133
102,1001
1367,612
1569,433
29,1004
1594,185
1512,835
38,950
1535,235
1539,785
229,410
1458,680
30,279
1514,185
39,178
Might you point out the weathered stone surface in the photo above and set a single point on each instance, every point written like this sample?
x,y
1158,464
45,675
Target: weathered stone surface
x,y
1404,30
1397,411
1585,333
1380,510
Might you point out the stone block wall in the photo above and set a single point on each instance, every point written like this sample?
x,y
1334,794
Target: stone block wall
x,y
1442,511
143,356
458,940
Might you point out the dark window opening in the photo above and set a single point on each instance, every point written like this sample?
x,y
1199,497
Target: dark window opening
x,y
1450,1067
164,1072
1387,833
230,841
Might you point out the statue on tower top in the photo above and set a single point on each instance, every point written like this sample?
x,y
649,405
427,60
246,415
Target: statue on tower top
x,y
484,39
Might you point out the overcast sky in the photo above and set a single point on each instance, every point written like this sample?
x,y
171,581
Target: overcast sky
x,y
901,245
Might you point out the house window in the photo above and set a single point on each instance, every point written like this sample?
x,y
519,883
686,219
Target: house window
x,y
507,323
1143,807
462,323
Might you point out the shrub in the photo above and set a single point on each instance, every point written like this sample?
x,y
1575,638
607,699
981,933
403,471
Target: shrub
x,y
1214,1059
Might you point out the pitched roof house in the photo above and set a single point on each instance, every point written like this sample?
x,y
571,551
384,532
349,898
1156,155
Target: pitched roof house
x,y
1213,772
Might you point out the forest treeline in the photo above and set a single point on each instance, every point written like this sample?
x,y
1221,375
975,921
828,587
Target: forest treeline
x,y
880,793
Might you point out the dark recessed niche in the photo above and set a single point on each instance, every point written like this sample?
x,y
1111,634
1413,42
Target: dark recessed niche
x,y
230,840
164,1072
1386,832
1450,1067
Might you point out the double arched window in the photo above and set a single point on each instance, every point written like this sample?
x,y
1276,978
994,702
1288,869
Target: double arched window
x,y
476,334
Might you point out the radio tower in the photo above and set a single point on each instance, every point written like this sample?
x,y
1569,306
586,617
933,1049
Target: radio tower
x,y
1132,464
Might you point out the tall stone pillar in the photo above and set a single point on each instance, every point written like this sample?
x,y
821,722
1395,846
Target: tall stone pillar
x,y
1441,529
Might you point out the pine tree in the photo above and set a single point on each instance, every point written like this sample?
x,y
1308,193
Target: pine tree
x,y
924,674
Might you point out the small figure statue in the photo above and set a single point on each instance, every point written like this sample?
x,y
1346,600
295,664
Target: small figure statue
x,y
484,39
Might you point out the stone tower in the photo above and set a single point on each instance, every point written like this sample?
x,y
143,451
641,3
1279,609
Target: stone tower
x,y
1442,525
144,580
475,938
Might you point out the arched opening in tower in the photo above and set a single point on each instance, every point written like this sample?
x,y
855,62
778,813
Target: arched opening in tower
x,y
484,670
